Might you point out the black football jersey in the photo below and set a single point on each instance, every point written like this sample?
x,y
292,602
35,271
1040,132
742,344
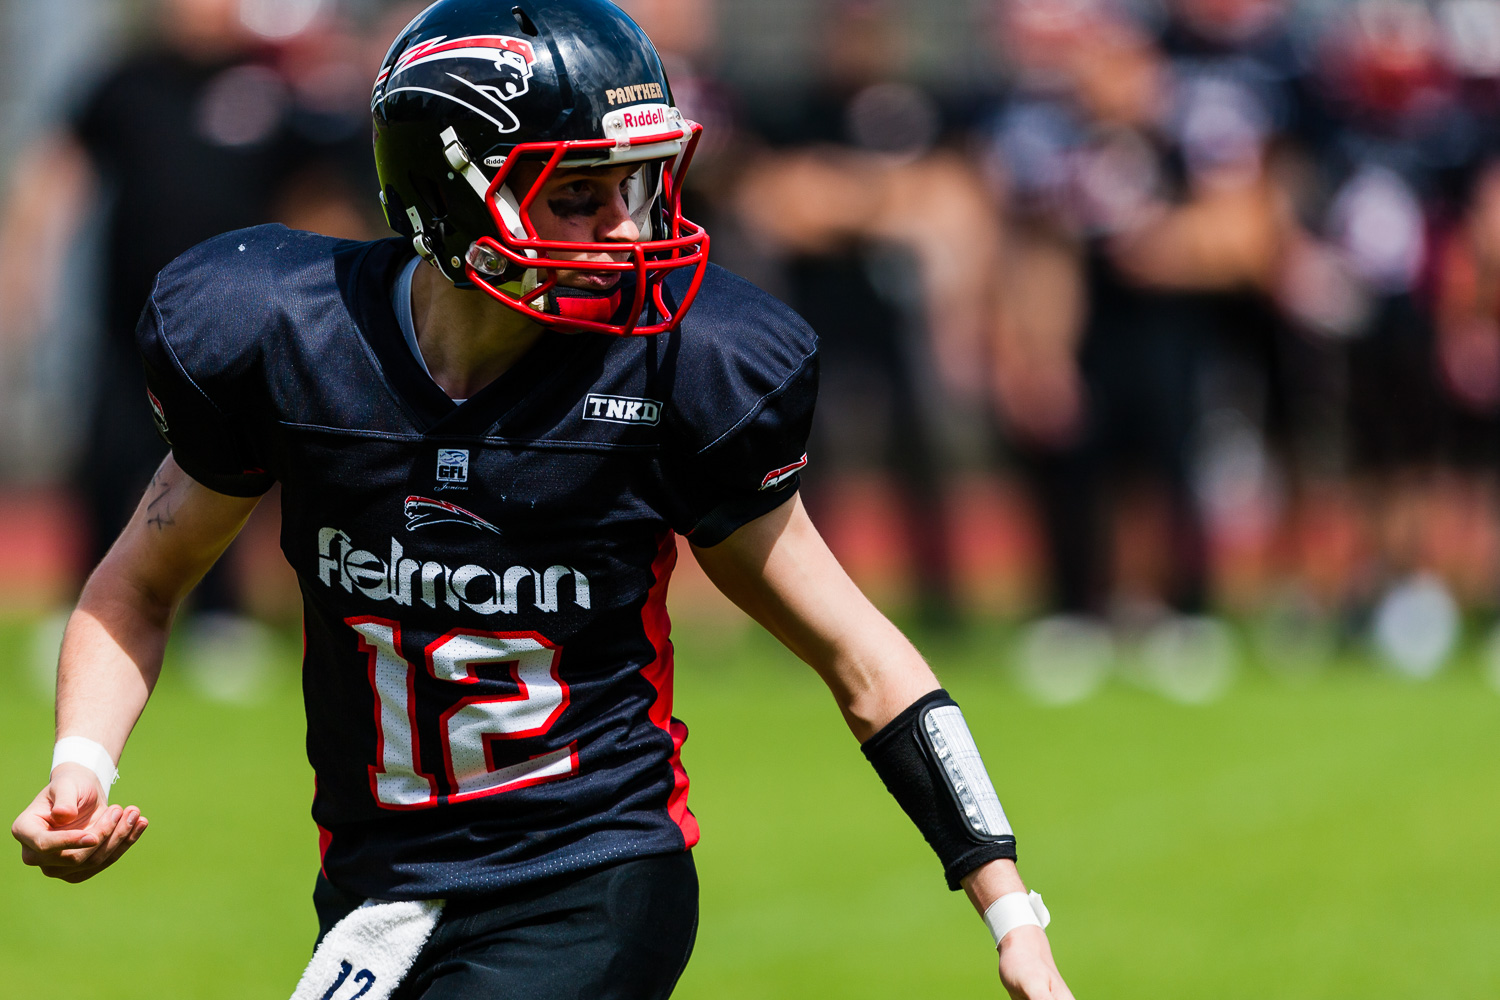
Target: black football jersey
x,y
488,668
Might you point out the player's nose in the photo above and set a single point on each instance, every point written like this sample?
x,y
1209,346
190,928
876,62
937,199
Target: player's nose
x,y
614,224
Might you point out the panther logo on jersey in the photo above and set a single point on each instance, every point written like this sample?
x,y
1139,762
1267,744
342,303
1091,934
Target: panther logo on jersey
x,y
422,512
776,477
495,68
158,413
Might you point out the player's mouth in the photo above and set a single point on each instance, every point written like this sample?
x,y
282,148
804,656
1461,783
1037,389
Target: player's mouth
x,y
592,281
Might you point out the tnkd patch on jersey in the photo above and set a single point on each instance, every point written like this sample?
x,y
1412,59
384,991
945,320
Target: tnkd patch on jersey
x,y
453,465
621,409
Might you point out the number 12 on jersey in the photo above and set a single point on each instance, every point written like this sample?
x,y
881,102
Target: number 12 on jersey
x,y
470,729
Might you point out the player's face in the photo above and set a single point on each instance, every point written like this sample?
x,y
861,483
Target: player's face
x,y
585,206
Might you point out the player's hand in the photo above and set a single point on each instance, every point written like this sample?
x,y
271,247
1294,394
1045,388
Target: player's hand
x,y
69,832
1026,967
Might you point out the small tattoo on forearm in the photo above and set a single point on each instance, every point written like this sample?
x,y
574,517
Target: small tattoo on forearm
x,y
159,511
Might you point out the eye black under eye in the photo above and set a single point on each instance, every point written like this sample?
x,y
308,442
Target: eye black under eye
x,y
572,201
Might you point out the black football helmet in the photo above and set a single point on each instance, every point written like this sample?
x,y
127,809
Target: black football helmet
x,y
472,88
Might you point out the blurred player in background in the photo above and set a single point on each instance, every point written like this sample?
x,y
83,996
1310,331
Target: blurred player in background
x,y
1245,257
1116,212
195,133
888,244
1399,163
515,403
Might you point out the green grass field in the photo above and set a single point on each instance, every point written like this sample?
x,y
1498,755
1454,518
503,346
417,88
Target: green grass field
x,y
1335,838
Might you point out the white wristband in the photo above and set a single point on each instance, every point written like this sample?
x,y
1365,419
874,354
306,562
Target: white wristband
x,y
1015,909
79,750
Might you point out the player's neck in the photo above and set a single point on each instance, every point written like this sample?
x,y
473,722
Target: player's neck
x,y
467,338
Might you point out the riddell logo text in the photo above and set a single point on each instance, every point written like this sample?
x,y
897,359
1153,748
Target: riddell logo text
x,y
403,580
644,118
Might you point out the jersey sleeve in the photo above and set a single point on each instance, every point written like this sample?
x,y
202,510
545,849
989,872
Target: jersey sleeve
x,y
207,441
744,390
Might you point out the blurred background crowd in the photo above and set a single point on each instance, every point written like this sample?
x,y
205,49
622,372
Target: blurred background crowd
x,y
1161,325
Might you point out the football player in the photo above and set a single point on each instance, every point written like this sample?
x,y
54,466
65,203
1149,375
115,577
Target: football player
x,y
488,432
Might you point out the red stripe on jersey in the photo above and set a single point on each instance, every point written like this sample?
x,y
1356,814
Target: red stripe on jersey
x,y
658,628
325,836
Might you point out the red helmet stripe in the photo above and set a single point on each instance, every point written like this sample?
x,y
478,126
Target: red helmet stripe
x,y
434,46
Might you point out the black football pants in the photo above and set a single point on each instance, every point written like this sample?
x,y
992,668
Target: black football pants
x,y
619,933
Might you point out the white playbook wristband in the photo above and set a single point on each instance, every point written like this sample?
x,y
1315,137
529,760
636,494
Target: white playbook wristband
x,y
1015,909
80,750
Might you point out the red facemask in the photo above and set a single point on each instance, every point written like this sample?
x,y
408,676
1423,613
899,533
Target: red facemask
x,y
685,244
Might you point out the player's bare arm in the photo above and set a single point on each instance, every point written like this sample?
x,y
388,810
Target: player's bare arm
x,y
110,660
780,572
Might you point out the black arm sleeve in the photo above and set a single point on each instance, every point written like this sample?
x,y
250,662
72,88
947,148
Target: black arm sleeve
x,y
904,757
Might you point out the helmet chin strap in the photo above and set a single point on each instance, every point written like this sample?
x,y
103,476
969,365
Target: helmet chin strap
x,y
570,303
575,303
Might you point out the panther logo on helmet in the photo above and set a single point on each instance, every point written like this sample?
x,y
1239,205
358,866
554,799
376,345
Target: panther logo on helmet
x,y
500,67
